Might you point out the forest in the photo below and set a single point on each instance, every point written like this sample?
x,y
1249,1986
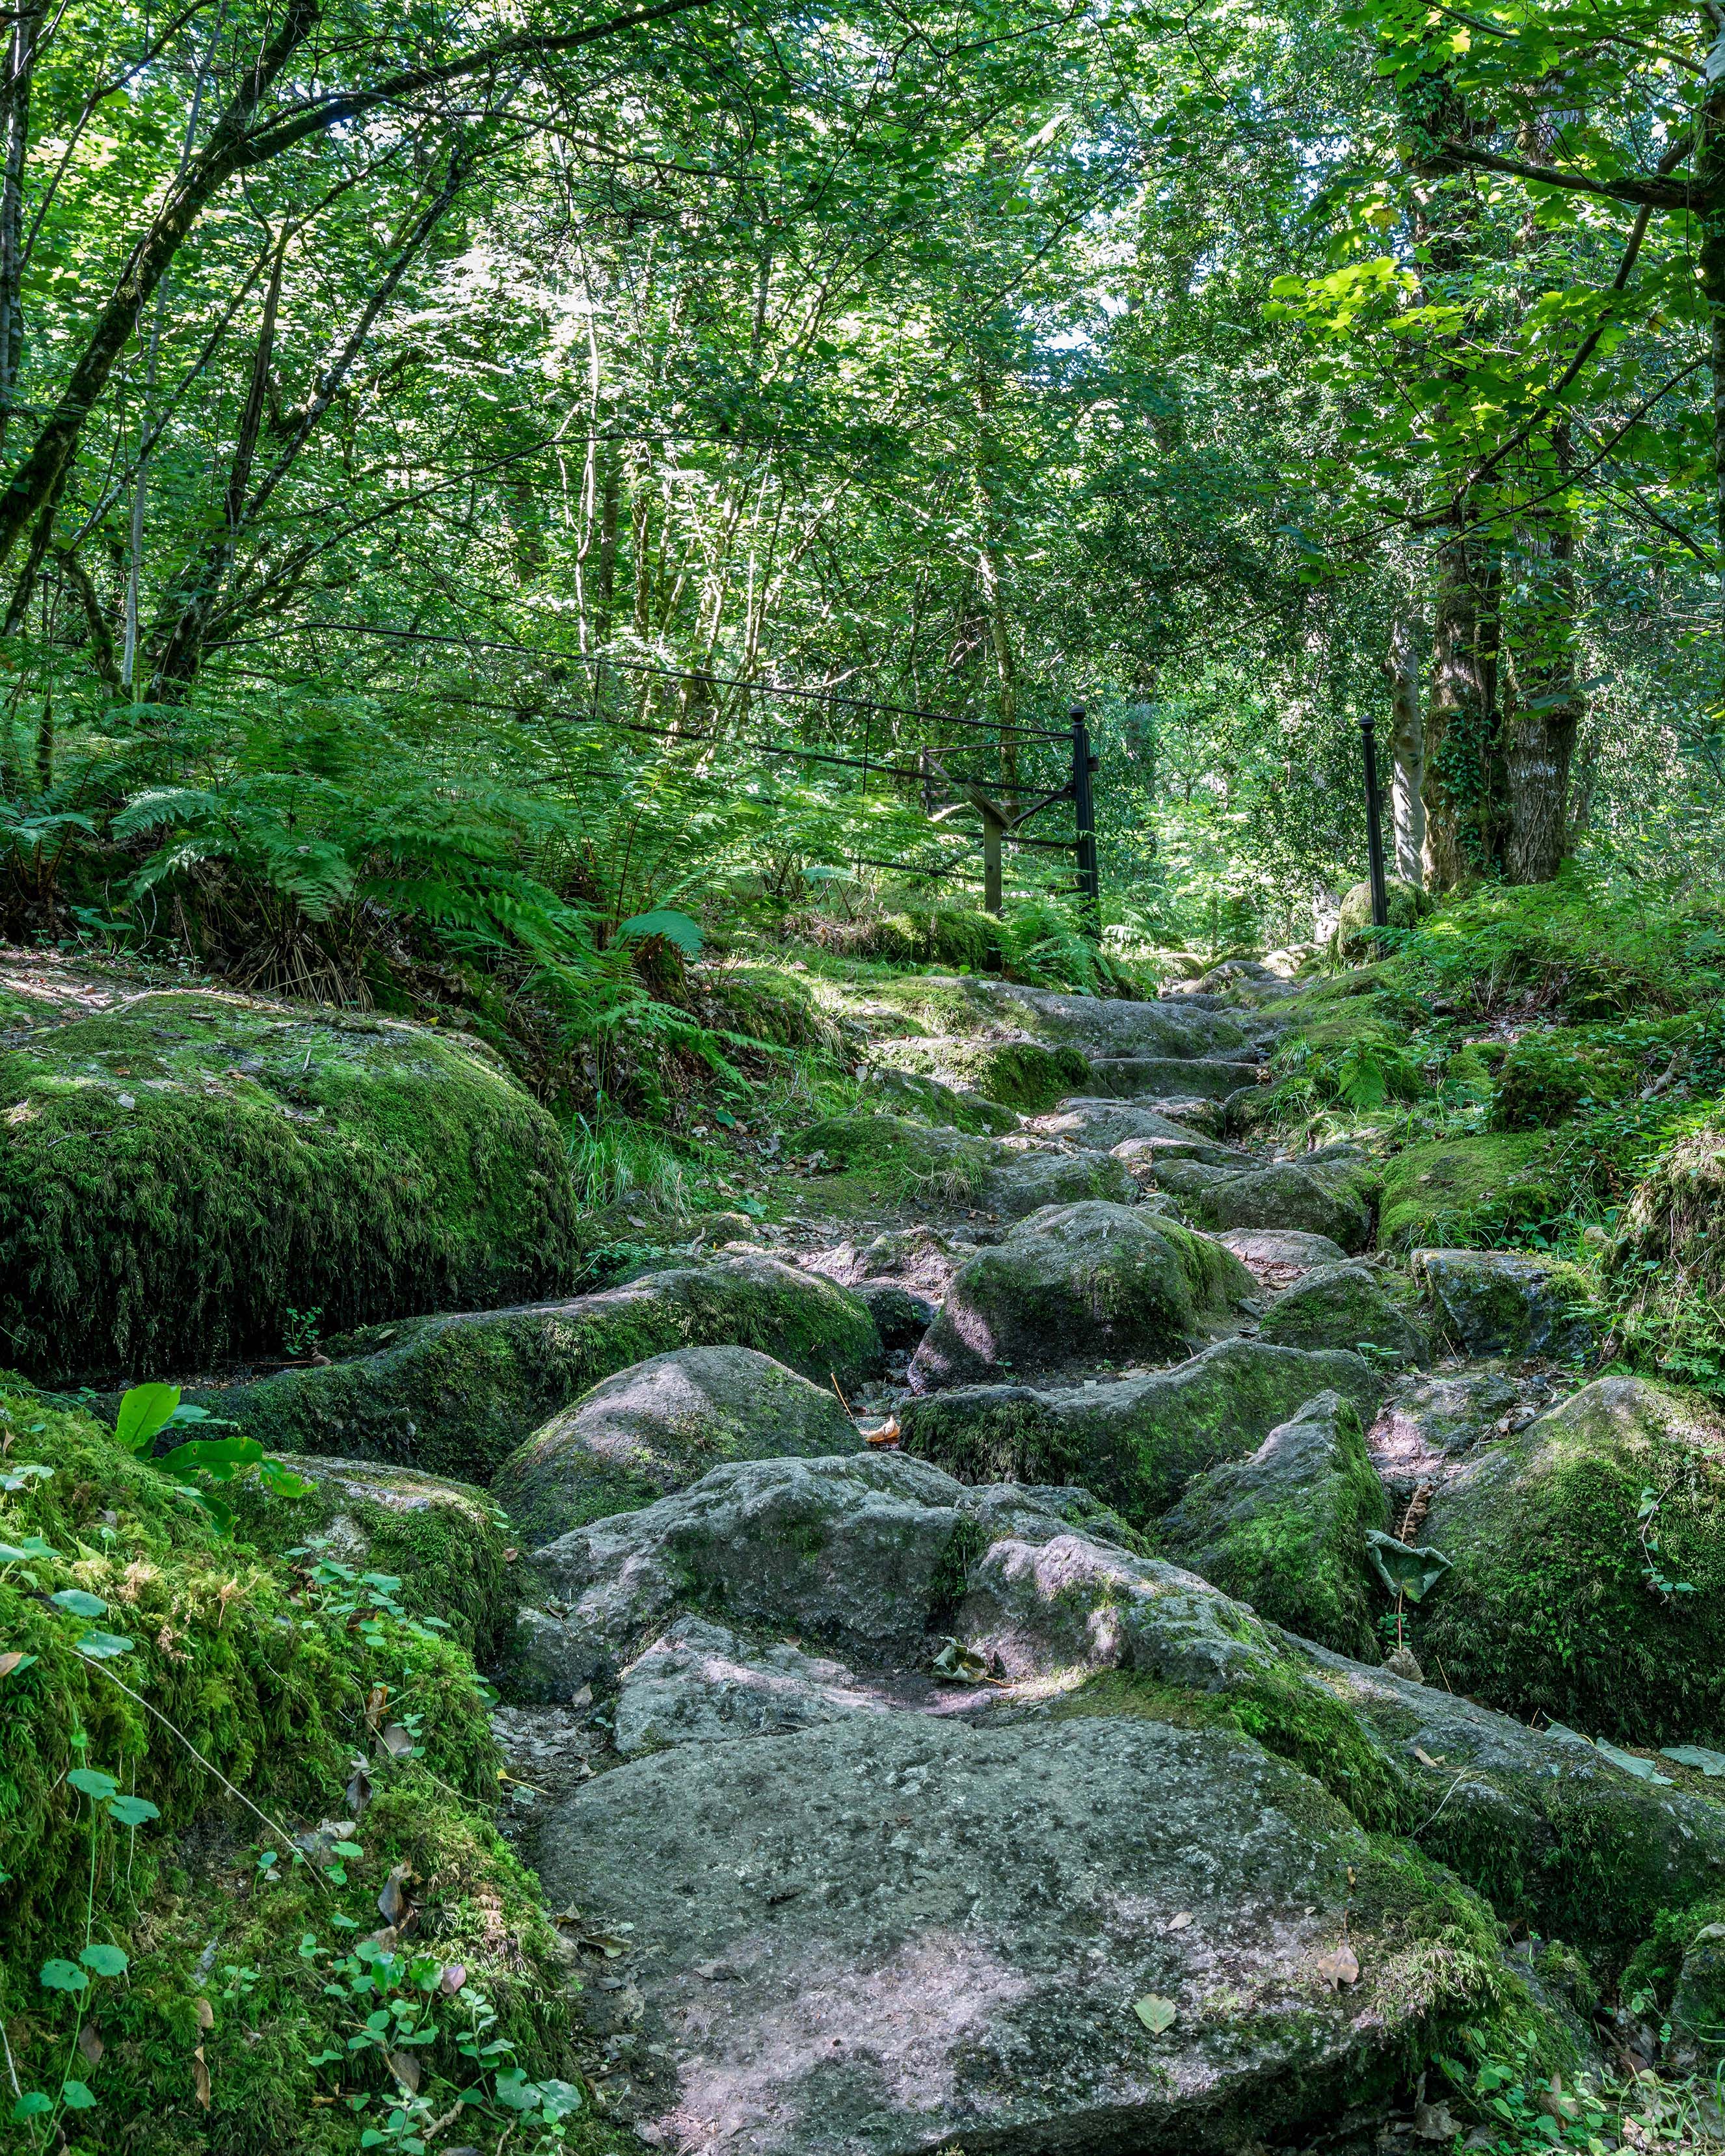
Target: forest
x,y
773,1374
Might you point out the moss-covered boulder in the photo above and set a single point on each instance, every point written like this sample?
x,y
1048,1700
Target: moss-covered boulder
x,y
1284,1530
446,1543
1027,1076
1589,1568
1169,1078
1506,1302
1545,1077
1348,1306
1331,1198
181,1173
657,1427
1139,1442
1029,1173
1456,1191
456,1395
1109,1125
895,1157
1408,904
909,1093
1073,1282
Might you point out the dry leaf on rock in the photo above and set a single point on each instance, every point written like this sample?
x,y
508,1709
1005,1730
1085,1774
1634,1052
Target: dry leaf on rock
x,y
406,2069
1341,1967
1156,2014
205,2013
1179,1923
200,2078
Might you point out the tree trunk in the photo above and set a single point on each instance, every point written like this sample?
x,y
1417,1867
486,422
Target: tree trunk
x,y
1407,746
1539,735
1463,789
1710,174
20,69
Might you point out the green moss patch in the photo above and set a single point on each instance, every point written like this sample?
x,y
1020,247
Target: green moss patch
x,y
1546,1077
178,1174
1475,1190
1023,1075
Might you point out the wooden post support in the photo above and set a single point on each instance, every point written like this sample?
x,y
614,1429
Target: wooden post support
x,y
1375,824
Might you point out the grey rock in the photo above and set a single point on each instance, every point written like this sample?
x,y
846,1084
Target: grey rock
x,y
1074,1282
701,1682
660,1425
1136,1443
921,1259
1343,1305
1166,1078
1108,1024
1105,1124
1032,1172
1497,1302
1275,1254
892,1934
901,1315
858,1553
1428,1421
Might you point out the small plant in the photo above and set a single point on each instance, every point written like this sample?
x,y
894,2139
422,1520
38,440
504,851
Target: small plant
x,y
301,1332
148,1410
1647,1523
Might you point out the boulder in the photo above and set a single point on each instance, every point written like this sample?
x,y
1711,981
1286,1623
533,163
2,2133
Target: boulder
x,y
1430,1419
1567,1598
919,1258
1554,1834
1348,1306
1179,1176
457,1394
1469,1190
909,1093
658,1426
1139,1442
1168,1078
186,1173
1330,1200
1284,1530
700,1681
894,1933
902,1317
1407,904
898,1159
1698,1998
1022,1074
1505,1302
1103,1125
860,1552
1279,1256
1029,1173
441,1541
1074,1282
1099,1025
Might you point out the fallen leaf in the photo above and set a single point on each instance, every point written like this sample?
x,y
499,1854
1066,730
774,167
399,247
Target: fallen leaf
x,y
406,2069
1341,1967
359,1791
200,2078
375,1700
1432,2122
885,1433
1179,1923
395,1741
15,1660
962,1664
1156,2014
90,2042
392,1902
1426,1759
454,1975
204,2014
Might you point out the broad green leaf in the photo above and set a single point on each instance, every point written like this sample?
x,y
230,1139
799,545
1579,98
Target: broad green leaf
x,y
145,1411
1695,1755
90,1782
77,1604
1410,1572
63,1976
31,2105
132,1811
1156,2014
76,2096
105,1960
103,1646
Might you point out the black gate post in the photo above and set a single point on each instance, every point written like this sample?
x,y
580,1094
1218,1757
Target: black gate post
x,y
1090,881
1375,824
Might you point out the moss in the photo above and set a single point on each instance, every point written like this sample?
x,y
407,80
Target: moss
x,y
1550,1609
181,1172
1407,904
456,1395
1022,1074
1657,1964
1284,1531
1342,1307
1459,1191
1666,1267
909,1093
1136,1444
445,1542
1546,1077
901,1156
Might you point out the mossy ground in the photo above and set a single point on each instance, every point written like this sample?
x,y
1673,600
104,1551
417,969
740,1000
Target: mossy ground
x,y
183,1172
1466,1192
1022,1074
237,1676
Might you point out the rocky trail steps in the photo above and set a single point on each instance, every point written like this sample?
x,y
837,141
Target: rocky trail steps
x,y
950,1637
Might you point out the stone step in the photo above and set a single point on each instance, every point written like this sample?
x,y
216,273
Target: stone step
x,y
1169,1077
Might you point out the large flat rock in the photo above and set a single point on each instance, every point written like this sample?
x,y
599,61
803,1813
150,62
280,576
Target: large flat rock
x,y
1166,1078
890,1934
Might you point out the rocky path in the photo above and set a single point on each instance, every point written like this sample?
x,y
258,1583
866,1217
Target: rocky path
x,y
967,1691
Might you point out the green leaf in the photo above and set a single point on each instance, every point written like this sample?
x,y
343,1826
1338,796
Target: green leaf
x,y
77,1604
219,1457
76,2096
105,1960
1404,1570
63,1976
1156,2014
1695,1755
90,1782
666,920
31,2105
21,1552
144,1411
132,1811
102,1647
